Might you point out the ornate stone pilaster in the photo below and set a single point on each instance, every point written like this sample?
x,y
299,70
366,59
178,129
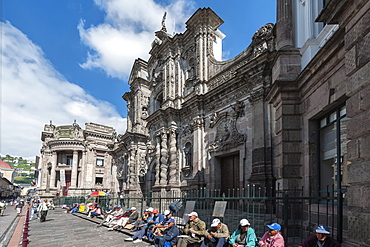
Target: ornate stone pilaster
x,y
158,159
173,163
74,169
164,159
53,172
197,126
132,184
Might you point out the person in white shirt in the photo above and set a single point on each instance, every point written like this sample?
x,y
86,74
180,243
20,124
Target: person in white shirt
x,y
2,207
43,209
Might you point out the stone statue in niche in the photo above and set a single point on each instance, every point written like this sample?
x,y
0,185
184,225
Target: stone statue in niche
x,y
188,167
187,151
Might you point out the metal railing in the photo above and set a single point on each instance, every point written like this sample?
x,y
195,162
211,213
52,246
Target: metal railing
x,y
297,213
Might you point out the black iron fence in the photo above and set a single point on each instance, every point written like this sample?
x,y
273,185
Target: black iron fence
x,y
297,213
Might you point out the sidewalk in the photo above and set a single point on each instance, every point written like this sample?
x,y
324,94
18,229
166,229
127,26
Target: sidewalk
x,y
65,229
8,223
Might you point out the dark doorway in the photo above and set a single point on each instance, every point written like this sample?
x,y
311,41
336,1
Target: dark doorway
x,y
230,173
68,183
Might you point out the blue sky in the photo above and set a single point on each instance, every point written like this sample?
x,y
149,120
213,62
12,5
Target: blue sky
x,y
70,59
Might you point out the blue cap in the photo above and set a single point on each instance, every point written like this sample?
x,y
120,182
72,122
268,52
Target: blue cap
x,y
322,229
274,226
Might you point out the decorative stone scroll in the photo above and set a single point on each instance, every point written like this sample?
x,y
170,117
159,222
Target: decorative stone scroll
x,y
263,33
227,136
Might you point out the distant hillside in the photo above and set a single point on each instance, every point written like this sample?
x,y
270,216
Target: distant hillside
x,y
24,169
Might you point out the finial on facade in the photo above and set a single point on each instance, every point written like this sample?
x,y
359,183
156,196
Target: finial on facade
x,y
164,29
51,122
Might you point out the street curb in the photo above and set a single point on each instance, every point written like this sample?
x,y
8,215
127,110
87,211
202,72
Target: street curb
x,y
7,235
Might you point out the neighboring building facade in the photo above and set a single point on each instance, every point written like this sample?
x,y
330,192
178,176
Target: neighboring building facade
x,y
320,91
76,161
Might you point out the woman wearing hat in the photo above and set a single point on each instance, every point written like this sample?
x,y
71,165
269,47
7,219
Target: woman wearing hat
x,y
272,238
244,235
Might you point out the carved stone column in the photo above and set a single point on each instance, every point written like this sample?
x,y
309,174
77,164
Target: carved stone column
x,y
53,167
164,159
199,157
158,159
131,170
74,169
173,163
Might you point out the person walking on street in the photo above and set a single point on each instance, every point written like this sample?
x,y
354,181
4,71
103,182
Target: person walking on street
x,y
34,206
122,199
43,209
19,206
2,207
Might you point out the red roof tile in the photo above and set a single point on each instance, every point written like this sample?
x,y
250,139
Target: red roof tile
x,y
5,165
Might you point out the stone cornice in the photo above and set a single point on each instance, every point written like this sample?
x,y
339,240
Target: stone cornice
x,y
99,135
204,16
69,144
129,137
163,114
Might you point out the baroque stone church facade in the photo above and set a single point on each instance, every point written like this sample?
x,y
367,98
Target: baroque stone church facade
x,y
290,111
195,120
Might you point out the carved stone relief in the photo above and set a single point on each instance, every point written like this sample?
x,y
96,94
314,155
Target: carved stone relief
x,y
227,136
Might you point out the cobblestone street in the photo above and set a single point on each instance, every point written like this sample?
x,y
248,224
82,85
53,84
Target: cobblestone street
x,y
64,229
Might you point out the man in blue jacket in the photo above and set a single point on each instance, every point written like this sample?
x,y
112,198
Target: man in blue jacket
x,y
166,231
146,229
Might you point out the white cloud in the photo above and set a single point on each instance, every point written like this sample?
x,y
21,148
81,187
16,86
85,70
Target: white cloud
x,y
33,92
128,31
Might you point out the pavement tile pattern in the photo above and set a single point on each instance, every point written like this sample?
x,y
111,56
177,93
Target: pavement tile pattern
x,y
65,229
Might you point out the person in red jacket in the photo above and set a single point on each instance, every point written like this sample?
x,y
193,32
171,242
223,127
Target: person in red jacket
x,y
321,238
272,238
